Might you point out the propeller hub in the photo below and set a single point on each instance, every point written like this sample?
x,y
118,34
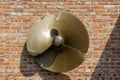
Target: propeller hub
x,y
58,41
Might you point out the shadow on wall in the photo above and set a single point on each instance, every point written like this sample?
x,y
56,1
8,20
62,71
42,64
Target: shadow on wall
x,y
108,67
29,67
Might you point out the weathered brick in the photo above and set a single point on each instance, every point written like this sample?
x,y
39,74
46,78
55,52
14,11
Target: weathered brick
x,y
99,17
2,78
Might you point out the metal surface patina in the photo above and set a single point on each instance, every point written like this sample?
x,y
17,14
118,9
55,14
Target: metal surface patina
x,y
59,42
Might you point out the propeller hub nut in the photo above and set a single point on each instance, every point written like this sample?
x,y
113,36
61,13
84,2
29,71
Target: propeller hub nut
x,y
58,41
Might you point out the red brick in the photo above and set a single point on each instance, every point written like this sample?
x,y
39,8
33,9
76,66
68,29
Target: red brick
x,y
99,17
2,78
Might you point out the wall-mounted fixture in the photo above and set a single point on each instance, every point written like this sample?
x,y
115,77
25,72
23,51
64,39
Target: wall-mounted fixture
x,y
59,42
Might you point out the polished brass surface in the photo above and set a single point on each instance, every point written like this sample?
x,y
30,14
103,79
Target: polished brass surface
x,y
60,59
72,31
39,38
60,40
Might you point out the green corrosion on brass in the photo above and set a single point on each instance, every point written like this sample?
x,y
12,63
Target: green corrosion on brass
x,y
59,42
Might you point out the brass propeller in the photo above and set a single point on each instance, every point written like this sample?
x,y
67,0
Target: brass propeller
x,y
60,59
39,38
60,41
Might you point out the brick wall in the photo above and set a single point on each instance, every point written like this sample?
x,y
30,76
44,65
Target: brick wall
x,y
101,18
